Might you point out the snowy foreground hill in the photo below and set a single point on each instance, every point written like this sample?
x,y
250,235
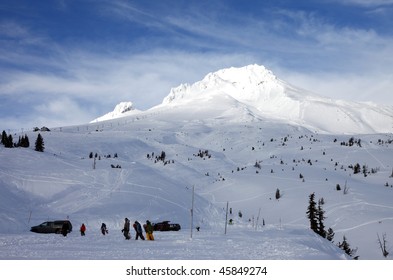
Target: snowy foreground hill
x,y
230,149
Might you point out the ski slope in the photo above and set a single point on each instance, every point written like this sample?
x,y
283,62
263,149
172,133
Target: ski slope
x,y
212,141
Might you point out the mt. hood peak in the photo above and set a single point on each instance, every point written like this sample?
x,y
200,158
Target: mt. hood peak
x,y
258,89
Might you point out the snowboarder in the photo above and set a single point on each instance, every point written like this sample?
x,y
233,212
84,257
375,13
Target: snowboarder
x,y
104,230
64,229
83,229
149,230
138,230
126,229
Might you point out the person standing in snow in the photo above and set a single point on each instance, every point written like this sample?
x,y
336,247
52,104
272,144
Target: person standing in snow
x,y
149,230
126,229
138,230
83,229
64,229
104,230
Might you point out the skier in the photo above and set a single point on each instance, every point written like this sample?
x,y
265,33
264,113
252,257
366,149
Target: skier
x,y
149,230
83,229
104,230
138,230
126,229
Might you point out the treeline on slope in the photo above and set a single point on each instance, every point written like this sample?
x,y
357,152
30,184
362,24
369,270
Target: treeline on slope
x,y
23,142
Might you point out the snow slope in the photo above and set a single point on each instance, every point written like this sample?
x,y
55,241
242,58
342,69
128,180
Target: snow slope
x,y
212,142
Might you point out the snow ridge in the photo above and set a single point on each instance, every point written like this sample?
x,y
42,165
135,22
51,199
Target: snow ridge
x,y
121,110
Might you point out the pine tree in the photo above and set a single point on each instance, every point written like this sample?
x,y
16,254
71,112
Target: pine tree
x,y
330,234
19,142
26,142
347,249
356,168
10,142
278,194
39,143
321,217
312,213
4,138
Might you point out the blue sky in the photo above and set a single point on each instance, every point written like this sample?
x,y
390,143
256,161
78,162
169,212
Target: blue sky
x,y
66,62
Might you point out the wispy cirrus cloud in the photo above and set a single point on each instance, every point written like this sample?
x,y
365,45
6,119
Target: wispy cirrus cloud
x,y
367,3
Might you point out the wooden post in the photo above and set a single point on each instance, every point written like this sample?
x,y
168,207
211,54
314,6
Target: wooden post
x,y
226,218
192,211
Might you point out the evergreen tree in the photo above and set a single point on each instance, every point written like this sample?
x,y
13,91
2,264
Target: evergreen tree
x,y
278,194
10,142
4,138
330,234
26,142
39,143
356,168
312,213
162,156
347,249
7,140
321,217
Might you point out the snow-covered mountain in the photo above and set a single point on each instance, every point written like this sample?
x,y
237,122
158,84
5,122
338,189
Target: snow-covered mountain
x,y
258,90
222,141
122,109
255,92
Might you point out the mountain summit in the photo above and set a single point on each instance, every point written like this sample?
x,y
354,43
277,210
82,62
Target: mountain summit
x,y
256,88
254,93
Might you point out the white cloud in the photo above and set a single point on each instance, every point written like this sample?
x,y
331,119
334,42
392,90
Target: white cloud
x,y
367,3
90,85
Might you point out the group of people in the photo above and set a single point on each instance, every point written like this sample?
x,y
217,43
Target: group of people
x,y
126,230
138,230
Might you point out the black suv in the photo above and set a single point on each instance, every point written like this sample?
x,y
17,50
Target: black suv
x,y
52,227
166,226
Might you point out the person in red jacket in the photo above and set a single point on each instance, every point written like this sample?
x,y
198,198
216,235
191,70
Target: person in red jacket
x,y
83,229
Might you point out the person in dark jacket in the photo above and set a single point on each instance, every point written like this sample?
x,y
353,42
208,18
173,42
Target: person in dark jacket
x,y
65,228
138,231
126,229
104,230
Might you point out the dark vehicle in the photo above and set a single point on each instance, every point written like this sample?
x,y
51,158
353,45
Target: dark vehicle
x,y
166,226
51,227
